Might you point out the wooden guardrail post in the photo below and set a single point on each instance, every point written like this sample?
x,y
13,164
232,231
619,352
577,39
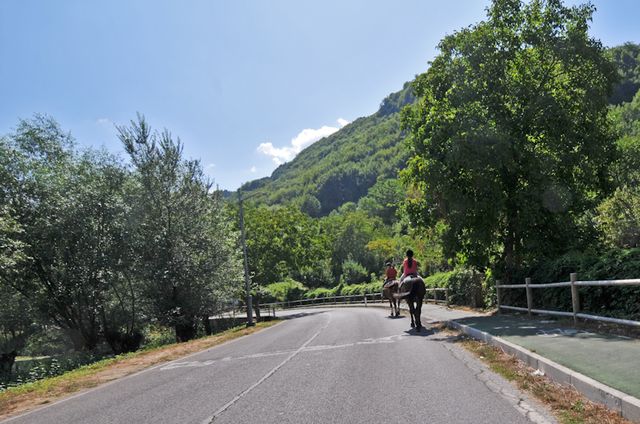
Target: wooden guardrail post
x,y
365,300
498,294
575,296
527,281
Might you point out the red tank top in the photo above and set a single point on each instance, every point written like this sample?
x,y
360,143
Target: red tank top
x,y
391,273
410,270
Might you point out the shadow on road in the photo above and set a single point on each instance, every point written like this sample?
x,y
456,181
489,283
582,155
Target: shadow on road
x,y
424,332
301,314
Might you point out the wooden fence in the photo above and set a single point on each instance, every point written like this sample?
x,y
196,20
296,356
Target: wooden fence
x,y
574,284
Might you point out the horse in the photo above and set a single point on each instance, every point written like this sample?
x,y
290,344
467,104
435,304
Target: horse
x,y
388,292
412,290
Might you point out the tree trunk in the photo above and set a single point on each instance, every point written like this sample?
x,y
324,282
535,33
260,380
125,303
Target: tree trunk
x,y
185,330
207,324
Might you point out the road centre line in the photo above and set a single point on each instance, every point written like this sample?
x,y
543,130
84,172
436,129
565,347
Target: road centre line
x,y
266,376
189,364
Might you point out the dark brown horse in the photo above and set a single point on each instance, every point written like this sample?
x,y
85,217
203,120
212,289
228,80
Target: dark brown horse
x,y
388,292
412,290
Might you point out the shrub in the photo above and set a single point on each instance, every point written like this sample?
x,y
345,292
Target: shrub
x,y
361,289
465,286
619,302
320,292
284,291
353,272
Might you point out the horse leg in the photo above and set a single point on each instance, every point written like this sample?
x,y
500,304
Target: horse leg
x,y
418,311
397,308
411,312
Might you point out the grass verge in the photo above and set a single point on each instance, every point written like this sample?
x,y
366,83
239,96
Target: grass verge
x,y
23,398
567,404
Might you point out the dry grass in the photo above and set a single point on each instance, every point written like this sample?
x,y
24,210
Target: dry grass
x,y
567,404
20,399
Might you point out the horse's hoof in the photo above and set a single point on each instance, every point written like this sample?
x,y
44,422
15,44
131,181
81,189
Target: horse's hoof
x,y
413,325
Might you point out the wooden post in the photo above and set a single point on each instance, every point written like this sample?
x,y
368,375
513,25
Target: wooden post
x,y
498,294
446,295
527,281
575,296
365,300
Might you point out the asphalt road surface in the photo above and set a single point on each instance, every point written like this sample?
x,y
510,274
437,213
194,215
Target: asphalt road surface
x,y
345,365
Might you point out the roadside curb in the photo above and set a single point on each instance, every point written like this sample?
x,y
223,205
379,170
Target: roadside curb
x,y
625,405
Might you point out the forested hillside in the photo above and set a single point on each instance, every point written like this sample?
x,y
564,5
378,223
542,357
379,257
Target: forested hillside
x,y
342,167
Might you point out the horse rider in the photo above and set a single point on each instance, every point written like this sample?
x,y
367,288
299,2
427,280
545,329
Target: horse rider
x,y
409,266
390,274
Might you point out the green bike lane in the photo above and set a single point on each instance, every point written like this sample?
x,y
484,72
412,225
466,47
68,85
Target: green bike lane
x,y
612,360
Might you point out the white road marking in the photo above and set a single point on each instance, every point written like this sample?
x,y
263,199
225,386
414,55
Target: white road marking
x,y
266,376
193,364
126,377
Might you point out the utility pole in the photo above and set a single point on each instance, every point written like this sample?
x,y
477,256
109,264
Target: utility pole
x,y
246,266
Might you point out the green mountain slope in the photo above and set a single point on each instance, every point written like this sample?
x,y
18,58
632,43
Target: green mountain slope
x,y
342,167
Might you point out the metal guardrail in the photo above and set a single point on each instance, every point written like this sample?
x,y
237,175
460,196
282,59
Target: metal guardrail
x,y
349,299
574,284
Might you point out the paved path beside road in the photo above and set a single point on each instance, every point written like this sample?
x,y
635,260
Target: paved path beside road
x,y
605,367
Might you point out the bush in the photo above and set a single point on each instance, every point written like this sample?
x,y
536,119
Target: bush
x,y
466,286
285,291
619,218
353,272
156,336
619,302
361,289
28,371
320,292
317,275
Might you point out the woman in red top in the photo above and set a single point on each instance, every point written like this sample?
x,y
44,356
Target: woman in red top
x,y
409,266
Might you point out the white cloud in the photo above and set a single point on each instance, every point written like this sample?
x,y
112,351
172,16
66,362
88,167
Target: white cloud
x,y
104,121
210,166
343,122
253,170
304,139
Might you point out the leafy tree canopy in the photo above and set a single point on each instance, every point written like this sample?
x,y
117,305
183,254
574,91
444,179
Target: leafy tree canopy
x,y
510,136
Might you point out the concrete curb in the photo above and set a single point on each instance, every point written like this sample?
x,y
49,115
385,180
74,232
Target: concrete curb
x,y
625,405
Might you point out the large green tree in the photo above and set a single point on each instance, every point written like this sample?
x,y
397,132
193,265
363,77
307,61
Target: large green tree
x,y
510,136
72,223
184,246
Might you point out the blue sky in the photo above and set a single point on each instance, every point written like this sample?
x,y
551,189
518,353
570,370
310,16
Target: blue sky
x,y
244,84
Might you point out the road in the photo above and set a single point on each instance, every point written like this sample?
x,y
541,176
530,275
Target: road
x,y
343,365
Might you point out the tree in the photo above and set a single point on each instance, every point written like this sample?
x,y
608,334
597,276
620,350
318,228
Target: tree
x,y
349,233
510,136
16,315
383,199
619,218
283,242
627,59
69,208
185,248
